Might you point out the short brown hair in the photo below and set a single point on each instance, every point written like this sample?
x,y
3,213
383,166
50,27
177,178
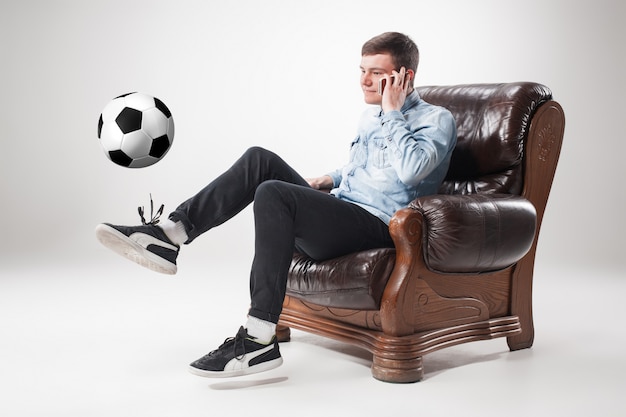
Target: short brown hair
x,y
402,49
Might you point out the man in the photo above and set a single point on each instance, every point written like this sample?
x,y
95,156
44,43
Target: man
x,y
402,151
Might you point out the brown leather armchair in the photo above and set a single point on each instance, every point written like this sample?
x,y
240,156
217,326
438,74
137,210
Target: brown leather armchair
x,y
462,266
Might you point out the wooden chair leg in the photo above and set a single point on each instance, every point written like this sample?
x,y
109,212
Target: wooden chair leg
x,y
521,305
397,370
283,333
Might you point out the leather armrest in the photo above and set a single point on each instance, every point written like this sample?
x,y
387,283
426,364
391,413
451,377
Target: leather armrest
x,y
475,233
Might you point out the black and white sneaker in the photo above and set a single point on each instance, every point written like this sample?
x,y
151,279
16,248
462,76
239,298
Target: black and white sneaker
x,y
146,245
239,355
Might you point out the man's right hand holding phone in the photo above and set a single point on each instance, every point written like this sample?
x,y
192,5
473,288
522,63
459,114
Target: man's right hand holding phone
x,y
394,88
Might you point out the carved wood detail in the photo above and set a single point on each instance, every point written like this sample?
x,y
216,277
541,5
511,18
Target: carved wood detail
x,y
399,358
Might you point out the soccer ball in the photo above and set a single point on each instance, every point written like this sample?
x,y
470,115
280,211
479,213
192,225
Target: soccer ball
x,y
136,130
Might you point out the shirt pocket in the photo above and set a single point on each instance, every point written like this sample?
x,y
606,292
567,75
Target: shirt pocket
x,y
380,153
358,154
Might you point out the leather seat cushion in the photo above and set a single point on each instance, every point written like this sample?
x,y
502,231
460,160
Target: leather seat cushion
x,y
354,281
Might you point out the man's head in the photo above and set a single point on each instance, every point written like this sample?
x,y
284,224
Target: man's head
x,y
383,54
403,51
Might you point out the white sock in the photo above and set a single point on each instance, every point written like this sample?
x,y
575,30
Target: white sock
x,y
175,231
262,330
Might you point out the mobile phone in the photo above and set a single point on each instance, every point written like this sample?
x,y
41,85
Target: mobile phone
x,y
383,81
381,84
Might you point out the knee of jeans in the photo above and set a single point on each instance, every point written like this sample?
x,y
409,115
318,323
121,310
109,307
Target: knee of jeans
x,y
258,152
272,195
269,190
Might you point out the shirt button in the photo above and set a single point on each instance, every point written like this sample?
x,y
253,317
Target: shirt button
x,y
398,154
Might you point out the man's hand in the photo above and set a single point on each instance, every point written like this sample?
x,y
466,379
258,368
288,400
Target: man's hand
x,y
396,90
321,183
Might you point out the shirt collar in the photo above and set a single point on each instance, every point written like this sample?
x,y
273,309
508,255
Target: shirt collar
x,y
411,100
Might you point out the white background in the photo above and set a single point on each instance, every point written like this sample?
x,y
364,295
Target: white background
x,y
283,75
82,329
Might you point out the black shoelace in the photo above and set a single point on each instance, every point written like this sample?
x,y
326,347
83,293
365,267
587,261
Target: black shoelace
x,y
154,217
238,340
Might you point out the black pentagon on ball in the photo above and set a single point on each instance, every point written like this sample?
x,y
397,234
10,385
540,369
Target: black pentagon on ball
x,y
120,158
100,123
161,106
160,146
129,120
124,95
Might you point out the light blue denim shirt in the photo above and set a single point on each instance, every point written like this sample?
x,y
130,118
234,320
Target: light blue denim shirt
x,y
397,157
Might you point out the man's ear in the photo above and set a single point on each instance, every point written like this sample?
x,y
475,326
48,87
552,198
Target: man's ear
x,y
411,74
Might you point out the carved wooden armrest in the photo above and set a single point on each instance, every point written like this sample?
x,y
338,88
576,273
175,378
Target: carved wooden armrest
x,y
451,234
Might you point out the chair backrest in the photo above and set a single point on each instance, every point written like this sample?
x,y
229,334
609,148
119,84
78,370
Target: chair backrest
x,y
492,125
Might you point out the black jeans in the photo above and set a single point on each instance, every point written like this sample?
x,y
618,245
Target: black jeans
x,y
289,216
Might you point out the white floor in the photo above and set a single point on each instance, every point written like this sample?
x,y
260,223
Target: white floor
x,y
116,342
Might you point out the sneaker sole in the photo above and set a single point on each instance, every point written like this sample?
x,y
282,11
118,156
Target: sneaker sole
x,y
122,245
262,367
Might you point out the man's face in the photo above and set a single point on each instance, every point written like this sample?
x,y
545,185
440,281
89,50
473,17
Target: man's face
x,y
373,67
